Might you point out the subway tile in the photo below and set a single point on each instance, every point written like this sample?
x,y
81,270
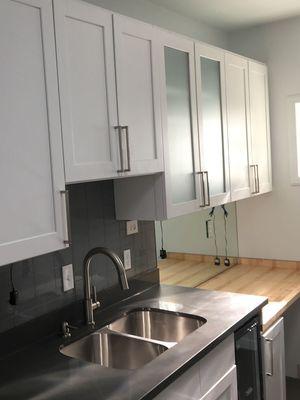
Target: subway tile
x,y
44,275
24,280
5,286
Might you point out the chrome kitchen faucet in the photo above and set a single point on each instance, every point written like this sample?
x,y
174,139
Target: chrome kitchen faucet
x,y
92,304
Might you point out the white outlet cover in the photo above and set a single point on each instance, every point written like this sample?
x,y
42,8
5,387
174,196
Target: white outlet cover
x,y
132,227
127,259
68,277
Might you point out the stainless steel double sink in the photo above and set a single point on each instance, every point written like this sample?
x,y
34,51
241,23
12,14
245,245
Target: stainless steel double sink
x,y
134,339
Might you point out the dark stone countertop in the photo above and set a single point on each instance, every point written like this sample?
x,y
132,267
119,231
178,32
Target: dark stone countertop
x,y
41,372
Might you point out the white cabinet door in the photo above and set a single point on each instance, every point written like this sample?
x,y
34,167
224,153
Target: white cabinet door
x,y
238,129
136,57
32,210
259,129
210,82
84,38
225,388
186,387
274,362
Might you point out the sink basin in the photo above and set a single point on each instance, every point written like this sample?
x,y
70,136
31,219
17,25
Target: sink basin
x,y
113,350
155,324
135,339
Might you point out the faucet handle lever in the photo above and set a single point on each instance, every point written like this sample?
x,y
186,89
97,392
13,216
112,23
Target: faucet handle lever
x,y
94,293
96,303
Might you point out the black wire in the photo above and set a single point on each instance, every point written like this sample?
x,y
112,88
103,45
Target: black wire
x,y
226,241
215,235
225,215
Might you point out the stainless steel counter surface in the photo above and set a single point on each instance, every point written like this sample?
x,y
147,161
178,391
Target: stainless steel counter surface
x,y
41,372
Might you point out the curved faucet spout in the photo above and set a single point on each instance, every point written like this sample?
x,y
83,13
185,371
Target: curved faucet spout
x,y
92,304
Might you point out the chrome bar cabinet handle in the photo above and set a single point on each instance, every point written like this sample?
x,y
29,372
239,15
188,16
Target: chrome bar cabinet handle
x,y
271,372
126,128
118,128
207,189
253,168
200,173
257,179
68,240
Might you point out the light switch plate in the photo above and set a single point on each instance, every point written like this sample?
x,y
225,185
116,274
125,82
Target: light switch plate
x,y
132,227
127,259
68,277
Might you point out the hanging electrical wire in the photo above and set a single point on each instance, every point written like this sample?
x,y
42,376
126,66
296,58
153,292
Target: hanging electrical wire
x,y
225,215
162,253
213,216
14,293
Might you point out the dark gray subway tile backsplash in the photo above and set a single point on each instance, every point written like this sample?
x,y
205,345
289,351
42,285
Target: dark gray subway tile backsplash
x,y
39,280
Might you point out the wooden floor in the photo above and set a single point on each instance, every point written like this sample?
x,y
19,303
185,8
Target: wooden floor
x,y
280,285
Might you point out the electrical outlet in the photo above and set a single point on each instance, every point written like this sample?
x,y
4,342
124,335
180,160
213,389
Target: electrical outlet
x,y
127,259
68,277
209,229
132,227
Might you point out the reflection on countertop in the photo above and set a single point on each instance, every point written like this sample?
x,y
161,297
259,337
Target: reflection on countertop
x,y
191,270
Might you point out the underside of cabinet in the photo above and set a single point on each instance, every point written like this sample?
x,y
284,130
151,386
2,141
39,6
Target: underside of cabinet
x,y
141,198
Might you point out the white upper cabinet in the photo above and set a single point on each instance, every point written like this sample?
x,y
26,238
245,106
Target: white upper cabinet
x,y
109,90
32,212
84,36
210,82
176,192
136,57
181,146
216,135
259,129
137,100
237,93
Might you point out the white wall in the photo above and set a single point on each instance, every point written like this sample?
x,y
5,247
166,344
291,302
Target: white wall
x,y
269,225
160,16
187,234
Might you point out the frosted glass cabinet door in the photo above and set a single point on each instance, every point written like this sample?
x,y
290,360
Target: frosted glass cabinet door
x,y
136,52
238,125
260,129
32,207
84,39
179,124
210,80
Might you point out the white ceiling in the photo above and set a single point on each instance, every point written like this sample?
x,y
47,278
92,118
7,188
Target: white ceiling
x,y
233,14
